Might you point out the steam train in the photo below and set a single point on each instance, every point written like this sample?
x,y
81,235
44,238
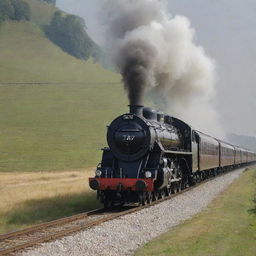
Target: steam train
x,y
151,155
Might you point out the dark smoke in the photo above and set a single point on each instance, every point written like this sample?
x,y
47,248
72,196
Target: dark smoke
x,y
134,65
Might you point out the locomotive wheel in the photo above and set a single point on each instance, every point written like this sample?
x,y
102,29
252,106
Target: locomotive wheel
x,y
197,178
108,204
105,199
161,194
149,197
185,183
180,186
168,191
142,198
174,188
155,196
191,180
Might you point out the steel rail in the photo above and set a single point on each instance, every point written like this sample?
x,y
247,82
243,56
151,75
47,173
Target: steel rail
x,y
49,224
41,228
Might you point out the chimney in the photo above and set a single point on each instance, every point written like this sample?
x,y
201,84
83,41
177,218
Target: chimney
x,y
136,110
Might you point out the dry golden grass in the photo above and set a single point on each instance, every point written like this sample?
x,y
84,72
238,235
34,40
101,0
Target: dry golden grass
x,y
30,198
17,187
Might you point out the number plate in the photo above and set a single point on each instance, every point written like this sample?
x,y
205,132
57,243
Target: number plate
x,y
129,137
128,117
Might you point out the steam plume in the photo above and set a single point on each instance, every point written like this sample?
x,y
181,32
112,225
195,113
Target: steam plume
x,y
157,57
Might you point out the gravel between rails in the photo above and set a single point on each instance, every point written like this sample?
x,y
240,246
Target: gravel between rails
x,y
124,235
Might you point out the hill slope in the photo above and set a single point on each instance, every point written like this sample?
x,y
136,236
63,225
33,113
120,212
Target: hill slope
x,y
55,126
28,56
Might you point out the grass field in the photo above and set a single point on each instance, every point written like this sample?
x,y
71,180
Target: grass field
x,y
31,198
226,228
58,126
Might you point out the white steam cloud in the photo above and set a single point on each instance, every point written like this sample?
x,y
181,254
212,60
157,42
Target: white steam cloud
x,y
157,57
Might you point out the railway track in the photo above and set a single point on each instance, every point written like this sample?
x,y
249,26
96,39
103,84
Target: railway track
x,y
19,240
13,242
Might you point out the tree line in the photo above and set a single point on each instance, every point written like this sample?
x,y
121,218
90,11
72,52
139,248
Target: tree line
x,y
14,10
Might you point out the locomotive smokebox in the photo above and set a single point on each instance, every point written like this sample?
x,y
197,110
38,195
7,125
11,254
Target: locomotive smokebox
x,y
136,110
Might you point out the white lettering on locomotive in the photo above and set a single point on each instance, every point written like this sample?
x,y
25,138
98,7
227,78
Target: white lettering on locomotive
x,y
128,137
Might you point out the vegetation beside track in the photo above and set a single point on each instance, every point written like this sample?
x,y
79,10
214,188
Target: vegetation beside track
x,y
227,227
31,198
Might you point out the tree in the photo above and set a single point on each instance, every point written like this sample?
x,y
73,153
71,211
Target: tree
x,y
21,10
77,40
6,10
14,10
69,32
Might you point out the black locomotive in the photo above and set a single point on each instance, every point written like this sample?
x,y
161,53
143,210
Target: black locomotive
x,y
152,154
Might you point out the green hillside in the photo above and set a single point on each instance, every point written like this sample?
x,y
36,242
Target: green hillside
x,y
58,125
28,56
55,127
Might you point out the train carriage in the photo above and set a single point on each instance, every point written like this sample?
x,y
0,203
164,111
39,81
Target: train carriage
x,y
208,152
244,155
238,156
252,156
249,156
227,154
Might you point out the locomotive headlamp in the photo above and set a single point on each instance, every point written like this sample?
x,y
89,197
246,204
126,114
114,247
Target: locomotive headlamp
x,y
148,174
98,173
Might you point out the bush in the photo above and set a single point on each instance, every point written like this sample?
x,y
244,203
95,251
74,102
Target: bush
x,y
14,10
21,10
6,10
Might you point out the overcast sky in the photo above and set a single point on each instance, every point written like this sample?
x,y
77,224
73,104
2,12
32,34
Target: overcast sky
x,y
227,31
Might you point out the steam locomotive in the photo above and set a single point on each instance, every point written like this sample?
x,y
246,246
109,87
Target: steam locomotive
x,y
151,155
